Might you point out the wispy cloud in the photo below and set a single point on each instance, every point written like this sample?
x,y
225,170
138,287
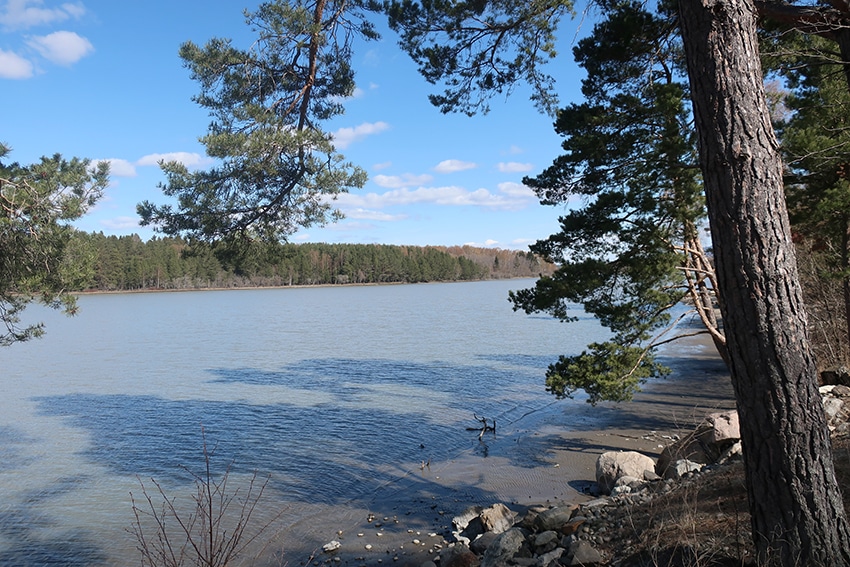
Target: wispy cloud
x,y
344,137
452,165
367,214
13,66
516,190
23,14
62,47
189,159
382,165
444,196
514,167
399,181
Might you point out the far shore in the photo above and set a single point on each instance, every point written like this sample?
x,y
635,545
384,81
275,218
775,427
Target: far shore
x,y
294,286
562,447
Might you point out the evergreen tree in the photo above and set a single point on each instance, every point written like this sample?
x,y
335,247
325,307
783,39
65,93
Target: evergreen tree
x,y
276,168
38,260
632,249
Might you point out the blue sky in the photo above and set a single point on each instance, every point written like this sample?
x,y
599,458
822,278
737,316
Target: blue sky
x,y
101,79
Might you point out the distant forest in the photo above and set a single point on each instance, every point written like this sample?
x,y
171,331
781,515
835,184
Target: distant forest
x,y
126,263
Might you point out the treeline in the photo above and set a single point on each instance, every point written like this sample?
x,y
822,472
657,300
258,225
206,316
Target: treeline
x,y
123,263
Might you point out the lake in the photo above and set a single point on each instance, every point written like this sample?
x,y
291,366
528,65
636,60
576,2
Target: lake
x,y
337,393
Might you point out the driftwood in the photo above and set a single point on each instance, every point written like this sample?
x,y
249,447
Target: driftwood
x,y
485,426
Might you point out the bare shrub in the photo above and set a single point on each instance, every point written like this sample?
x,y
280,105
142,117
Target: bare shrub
x,y
212,531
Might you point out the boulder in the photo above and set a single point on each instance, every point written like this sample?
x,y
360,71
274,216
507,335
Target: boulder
x,y
458,555
613,465
705,444
475,521
497,518
582,553
836,406
506,546
553,518
682,467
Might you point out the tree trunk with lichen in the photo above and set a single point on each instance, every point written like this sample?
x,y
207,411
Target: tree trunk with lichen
x,y
797,513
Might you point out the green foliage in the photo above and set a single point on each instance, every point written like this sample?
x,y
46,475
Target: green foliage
x,y
480,48
608,371
275,168
127,263
39,261
630,159
815,142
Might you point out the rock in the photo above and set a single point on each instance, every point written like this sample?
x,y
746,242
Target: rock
x,y
613,465
703,445
650,476
725,428
582,553
553,518
681,468
331,546
836,406
467,525
506,546
545,542
497,518
482,542
458,555
736,451
550,558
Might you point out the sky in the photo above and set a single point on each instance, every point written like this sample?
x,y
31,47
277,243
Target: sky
x,y
101,79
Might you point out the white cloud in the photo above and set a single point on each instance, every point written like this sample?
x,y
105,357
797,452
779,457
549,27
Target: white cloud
x,y
21,14
346,136
118,167
382,165
62,47
452,165
445,196
516,150
399,181
13,66
189,159
366,214
514,167
120,223
516,190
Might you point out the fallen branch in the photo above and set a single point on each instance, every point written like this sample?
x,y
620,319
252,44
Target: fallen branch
x,y
485,427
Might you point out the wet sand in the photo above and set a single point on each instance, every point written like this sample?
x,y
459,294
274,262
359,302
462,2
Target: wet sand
x,y
546,458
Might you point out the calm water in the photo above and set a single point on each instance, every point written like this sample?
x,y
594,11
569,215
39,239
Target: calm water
x,y
332,391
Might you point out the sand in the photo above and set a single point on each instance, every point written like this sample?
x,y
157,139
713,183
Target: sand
x,y
547,459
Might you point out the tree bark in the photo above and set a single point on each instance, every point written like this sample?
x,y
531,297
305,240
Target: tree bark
x,y
797,513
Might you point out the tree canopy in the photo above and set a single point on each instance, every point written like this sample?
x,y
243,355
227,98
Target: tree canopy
x,y
630,246
275,168
39,260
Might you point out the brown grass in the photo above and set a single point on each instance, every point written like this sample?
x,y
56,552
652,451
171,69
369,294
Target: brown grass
x,y
702,522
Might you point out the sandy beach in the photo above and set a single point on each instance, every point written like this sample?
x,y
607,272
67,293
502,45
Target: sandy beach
x,y
548,458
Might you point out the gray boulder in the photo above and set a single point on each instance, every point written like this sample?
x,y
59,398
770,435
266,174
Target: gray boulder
x,y
506,546
613,465
705,444
581,553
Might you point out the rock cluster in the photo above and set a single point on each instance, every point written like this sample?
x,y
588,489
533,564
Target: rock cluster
x,y
572,535
836,404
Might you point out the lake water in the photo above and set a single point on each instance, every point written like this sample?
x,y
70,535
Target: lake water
x,y
335,392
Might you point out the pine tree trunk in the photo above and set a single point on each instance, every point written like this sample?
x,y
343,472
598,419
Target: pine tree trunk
x,y
797,512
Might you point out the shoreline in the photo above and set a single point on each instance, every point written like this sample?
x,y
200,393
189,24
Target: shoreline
x,y
546,459
294,286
